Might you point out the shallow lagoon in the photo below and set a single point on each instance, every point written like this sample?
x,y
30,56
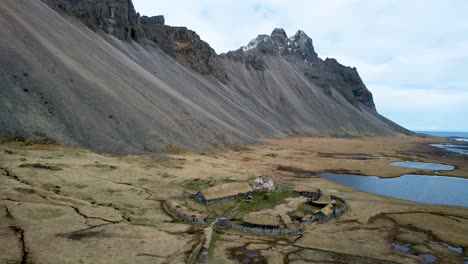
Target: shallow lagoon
x,y
457,148
418,188
422,165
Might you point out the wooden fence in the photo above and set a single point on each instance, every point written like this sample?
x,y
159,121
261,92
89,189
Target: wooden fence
x,y
311,219
265,230
259,229
179,213
342,209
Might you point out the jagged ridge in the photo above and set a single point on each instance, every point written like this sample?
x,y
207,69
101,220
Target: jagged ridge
x,y
299,51
136,84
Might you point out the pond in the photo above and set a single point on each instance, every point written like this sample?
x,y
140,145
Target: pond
x,y
418,188
422,165
452,147
427,258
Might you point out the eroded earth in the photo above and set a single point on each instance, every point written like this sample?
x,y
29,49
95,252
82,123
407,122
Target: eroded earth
x,y
69,205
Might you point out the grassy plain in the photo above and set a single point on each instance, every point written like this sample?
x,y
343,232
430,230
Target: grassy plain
x,y
82,207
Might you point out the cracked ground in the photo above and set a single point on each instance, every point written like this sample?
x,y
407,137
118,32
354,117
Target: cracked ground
x,y
68,205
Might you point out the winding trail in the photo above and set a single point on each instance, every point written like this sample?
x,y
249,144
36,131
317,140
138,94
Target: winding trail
x,y
209,234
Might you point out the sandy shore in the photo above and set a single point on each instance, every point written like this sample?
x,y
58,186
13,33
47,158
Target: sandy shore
x,y
68,205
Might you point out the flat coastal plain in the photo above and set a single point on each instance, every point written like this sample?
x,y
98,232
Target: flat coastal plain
x,y
61,204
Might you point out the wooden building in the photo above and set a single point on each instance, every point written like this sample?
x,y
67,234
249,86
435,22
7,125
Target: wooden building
x,y
259,219
323,200
325,213
310,192
223,192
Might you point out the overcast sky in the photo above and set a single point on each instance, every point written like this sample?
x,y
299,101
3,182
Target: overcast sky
x,y
412,55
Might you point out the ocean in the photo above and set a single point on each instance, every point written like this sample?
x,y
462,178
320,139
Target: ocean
x,y
445,134
458,141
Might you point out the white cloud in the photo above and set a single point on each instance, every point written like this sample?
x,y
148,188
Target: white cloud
x,y
423,109
411,46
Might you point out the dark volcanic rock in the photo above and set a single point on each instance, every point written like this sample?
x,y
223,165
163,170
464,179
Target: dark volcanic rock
x,y
115,17
154,20
118,18
280,39
347,81
256,62
185,45
137,92
299,50
251,60
302,46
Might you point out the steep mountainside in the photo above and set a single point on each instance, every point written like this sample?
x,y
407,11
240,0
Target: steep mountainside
x,y
299,51
96,74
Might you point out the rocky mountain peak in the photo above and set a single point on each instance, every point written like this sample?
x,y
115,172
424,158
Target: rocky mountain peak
x,y
254,42
301,39
299,46
280,39
299,35
279,33
302,45
119,18
299,50
154,20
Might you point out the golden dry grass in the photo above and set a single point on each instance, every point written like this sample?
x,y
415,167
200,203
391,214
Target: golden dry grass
x,y
102,208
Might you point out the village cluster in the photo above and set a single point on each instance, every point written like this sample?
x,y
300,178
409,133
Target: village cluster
x,y
283,219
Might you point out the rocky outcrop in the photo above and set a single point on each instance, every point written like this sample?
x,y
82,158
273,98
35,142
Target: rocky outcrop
x,y
119,18
331,74
184,45
114,17
154,20
298,50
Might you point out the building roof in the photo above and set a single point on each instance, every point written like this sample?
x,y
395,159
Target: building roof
x,y
184,209
286,219
327,210
258,218
324,199
300,188
225,190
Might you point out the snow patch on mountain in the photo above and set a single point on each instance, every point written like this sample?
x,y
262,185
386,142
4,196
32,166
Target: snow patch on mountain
x,y
254,42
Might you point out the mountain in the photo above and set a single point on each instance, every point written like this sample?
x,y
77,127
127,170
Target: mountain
x,y
97,75
299,51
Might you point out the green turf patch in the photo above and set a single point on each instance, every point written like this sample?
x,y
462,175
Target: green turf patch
x,y
258,201
308,208
211,250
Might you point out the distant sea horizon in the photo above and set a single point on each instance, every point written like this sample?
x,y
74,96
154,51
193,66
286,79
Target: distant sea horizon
x,y
445,133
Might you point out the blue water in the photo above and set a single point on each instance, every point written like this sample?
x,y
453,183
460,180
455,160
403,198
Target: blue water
x,y
422,165
452,147
418,188
445,134
427,258
458,142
